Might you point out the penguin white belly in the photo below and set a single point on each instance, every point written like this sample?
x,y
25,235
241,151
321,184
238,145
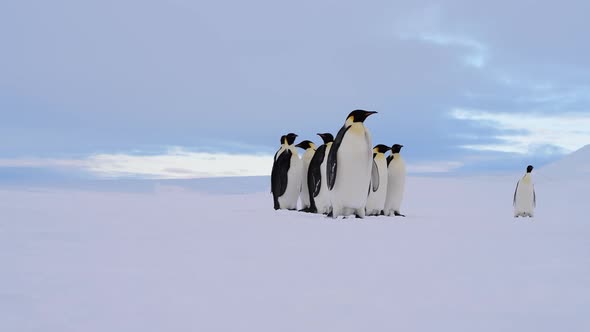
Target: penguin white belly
x,y
322,200
291,195
396,182
353,175
305,202
376,199
524,203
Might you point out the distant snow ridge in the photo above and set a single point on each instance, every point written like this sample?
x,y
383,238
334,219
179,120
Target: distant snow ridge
x,y
575,164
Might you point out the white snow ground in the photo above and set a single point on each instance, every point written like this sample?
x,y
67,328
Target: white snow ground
x,y
576,164
181,260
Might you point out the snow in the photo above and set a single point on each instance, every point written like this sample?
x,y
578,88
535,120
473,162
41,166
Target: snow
x,y
182,259
572,166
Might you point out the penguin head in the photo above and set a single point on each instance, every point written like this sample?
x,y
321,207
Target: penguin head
x,y
529,168
381,148
358,116
283,138
327,137
306,145
290,139
396,148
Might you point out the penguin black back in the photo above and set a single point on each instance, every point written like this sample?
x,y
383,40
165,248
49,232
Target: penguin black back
x,y
332,166
279,174
314,174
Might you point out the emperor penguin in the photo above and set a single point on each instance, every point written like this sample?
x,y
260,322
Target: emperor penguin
x,y
396,181
349,166
310,150
286,175
317,183
525,199
378,189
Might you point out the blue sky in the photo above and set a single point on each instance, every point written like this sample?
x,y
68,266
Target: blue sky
x,y
181,88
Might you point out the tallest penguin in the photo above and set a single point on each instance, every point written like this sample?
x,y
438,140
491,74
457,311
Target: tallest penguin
x,y
349,166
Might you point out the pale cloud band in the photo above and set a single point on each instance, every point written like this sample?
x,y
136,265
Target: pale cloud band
x,y
529,132
178,163
435,167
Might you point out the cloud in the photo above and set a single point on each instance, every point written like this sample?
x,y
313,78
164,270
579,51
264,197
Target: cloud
x,y
434,167
426,26
476,53
178,163
526,133
42,163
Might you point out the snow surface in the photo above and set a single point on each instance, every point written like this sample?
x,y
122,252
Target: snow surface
x,y
574,165
180,259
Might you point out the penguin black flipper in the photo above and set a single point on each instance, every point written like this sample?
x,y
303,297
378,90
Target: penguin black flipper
x,y
314,175
389,159
375,177
534,197
515,190
278,176
332,166
274,162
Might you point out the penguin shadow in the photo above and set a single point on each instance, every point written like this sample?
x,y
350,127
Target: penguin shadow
x,y
380,217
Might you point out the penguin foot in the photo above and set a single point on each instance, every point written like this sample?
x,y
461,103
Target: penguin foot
x,y
330,214
397,214
358,217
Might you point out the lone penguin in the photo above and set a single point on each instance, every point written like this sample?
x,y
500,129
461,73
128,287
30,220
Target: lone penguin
x,y
317,181
286,175
378,189
396,182
349,166
310,150
525,199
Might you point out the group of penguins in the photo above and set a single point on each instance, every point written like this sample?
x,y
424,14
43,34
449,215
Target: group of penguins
x,y
347,176
344,176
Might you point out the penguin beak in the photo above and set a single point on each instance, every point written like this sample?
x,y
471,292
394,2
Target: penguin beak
x,y
300,145
369,113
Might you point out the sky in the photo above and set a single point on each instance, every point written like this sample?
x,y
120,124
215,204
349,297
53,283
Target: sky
x,y
184,89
